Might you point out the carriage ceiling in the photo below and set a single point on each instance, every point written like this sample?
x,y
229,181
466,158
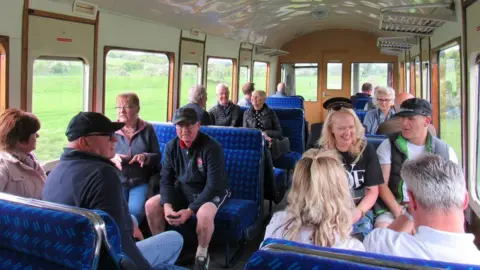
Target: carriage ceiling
x,y
270,23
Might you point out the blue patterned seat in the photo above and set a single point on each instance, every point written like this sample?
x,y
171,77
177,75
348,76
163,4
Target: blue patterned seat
x,y
293,127
240,217
292,102
361,114
376,140
361,102
331,258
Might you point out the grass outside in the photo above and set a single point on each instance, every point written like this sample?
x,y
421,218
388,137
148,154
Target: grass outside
x,y
450,132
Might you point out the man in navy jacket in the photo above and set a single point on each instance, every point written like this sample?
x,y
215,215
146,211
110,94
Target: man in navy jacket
x,y
193,181
86,178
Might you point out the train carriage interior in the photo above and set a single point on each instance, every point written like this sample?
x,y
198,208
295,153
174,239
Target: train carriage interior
x,y
62,57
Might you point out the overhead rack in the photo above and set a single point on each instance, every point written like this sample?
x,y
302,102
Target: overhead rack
x,y
396,45
407,18
269,51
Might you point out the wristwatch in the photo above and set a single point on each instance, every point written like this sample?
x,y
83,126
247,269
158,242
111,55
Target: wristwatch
x,y
406,213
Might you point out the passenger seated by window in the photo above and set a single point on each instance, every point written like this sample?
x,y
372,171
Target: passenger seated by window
x,y
438,197
225,113
194,181
394,124
86,177
197,98
366,93
247,90
281,90
320,205
260,116
137,154
415,115
20,171
383,99
343,132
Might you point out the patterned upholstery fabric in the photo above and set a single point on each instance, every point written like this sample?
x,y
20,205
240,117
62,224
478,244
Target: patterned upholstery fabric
x,y
285,102
262,263
376,140
361,114
10,259
293,127
113,233
361,102
66,239
243,149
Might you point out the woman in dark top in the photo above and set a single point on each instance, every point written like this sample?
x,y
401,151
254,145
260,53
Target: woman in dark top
x,y
137,153
260,116
343,131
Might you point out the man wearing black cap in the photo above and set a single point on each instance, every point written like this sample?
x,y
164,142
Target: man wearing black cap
x,y
193,181
415,116
85,177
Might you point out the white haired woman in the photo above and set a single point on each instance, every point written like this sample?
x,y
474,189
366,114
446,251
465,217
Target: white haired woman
x,y
344,133
319,204
384,99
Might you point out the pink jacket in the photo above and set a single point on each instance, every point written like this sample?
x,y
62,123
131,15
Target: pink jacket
x,y
19,179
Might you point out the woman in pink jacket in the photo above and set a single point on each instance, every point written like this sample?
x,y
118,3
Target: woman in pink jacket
x,y
20,172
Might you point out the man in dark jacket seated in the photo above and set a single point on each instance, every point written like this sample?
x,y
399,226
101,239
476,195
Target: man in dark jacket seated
x,y
86,178
193,181
225,113
197,100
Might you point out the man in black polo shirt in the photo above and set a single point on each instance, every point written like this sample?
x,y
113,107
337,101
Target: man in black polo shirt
x,y
193,181
85,177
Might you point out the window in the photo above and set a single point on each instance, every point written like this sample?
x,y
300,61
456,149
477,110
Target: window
x,y
219,70
58,92
244,77
374,73
3,72
143,73
407,77
306,80
260,75
450,112
418,77
334,76
191,75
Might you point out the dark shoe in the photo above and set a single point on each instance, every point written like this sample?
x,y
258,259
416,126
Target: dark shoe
x,y
201,263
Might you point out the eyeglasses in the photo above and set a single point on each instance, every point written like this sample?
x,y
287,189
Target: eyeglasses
x,y
383,100
189,128
105,134
126,107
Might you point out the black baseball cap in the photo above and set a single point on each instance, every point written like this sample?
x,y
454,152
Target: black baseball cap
x,y
85,123
415,106
187,115
337,103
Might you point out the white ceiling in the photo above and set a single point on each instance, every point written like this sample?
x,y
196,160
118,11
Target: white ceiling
x,y
267,22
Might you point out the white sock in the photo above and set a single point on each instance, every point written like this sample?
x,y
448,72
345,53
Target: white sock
x,y
202,251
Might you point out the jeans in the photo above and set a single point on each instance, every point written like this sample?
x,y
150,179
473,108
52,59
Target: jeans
x,y
162,250
136,198
364,226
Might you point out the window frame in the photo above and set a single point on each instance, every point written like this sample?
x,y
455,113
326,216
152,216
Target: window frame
x,y
233,87
473,181
390,70
302,67
4,72
267,79
341,77
171,74
199,81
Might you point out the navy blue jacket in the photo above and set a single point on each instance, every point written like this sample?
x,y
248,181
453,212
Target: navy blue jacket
x,y
199,170
203,116
90,181
144,140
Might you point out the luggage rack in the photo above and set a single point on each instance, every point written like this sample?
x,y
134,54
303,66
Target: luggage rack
x,y
419,19
396,45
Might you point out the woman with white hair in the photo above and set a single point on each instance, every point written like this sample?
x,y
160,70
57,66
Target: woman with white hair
x,y
384,99
260,116
344,133
319,204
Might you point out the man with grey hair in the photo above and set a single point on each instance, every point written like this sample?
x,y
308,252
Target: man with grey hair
x,y
438,197
197,98
225,113
281,90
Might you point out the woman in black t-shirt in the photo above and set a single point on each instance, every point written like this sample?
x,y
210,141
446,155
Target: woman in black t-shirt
x,y
344,132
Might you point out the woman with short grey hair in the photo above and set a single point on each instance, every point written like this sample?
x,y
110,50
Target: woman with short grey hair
x,y
384,98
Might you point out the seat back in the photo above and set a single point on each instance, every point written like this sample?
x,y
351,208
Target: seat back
x,y
46,232
283,254
361,114
293,102
243,150
375,140
293,127
360,103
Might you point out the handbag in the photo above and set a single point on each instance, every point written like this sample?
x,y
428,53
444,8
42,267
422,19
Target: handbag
x,y
279,147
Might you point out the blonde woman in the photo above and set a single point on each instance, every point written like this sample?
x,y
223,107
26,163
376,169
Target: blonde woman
x,y
319,204
384,99
344,133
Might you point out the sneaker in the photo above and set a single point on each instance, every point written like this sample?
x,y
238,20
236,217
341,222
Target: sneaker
x,y
201,263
